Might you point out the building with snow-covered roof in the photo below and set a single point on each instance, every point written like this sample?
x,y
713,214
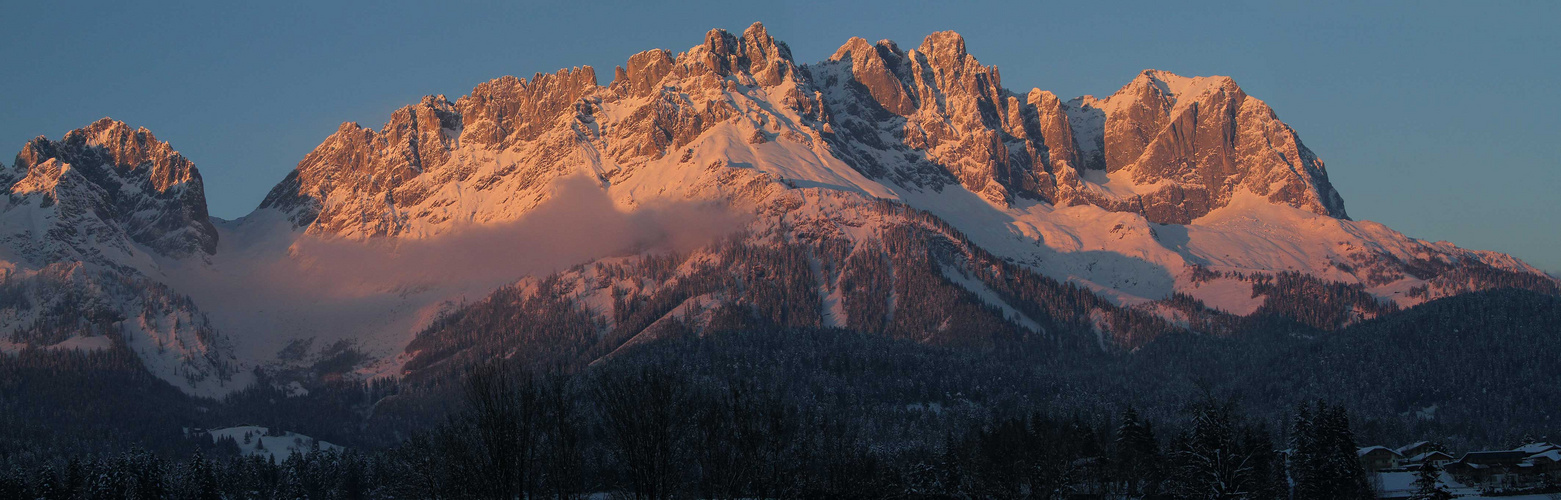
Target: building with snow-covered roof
x,y
1377,458
1496,470
1416,448
1434,457
1537,448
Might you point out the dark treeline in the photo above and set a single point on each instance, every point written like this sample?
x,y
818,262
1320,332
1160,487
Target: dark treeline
x,y
664,430
1469,371
54,402
926,383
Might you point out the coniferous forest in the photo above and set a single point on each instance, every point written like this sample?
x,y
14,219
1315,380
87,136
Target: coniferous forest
x,y
663,430
783,412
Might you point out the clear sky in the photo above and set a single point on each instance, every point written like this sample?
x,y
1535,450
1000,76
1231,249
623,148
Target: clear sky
x,y
1441,120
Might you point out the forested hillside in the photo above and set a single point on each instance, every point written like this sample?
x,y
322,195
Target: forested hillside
x,y
1471,359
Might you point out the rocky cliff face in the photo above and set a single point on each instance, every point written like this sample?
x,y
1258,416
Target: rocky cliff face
x,y
507,140
943,113
1183,146
1167,147
105,181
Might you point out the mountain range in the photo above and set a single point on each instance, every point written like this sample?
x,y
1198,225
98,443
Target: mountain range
x,y
890,191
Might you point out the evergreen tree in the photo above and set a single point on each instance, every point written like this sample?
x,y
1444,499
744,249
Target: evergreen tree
x,y
199,480
75,476
1137,454
49,486
1346,479
1221,457
1324,459
1303,459
12,485
107,479
1428,484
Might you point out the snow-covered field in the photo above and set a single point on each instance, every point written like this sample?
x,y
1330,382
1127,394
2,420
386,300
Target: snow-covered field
x,y
252,440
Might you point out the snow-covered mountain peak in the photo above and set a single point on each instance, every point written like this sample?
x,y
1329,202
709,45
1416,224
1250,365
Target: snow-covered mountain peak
x,y
85,223
1183,89
124,180
1178,147
122,147
490,156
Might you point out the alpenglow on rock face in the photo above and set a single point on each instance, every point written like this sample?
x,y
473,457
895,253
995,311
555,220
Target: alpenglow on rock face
x,y
512,136
1168,147
1197,140
83,222
106,179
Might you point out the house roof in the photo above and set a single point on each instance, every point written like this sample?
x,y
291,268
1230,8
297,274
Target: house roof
x,y
1374,449
1404,450
1533,448
1427,455
1497,456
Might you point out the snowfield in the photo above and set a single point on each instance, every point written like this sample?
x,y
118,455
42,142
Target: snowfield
x,y
253,441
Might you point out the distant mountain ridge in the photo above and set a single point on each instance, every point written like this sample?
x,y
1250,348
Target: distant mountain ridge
x,y
899,192
1167,147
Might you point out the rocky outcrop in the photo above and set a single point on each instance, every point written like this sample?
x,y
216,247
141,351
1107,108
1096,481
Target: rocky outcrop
x,y
945,113
511,137
107,179
359,165
871,72
1186,145
1168,147
756,56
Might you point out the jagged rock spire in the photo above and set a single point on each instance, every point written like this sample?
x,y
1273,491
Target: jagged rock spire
x,y
1184,146
126,178
1167,147
1202,139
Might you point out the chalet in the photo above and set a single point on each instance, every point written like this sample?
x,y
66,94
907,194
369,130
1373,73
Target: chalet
x,y
1377,458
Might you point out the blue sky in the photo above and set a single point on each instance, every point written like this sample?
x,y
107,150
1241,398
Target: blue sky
x,y
1440,120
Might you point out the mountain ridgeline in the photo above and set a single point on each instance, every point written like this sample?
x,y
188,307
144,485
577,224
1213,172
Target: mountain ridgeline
x,y
902,195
